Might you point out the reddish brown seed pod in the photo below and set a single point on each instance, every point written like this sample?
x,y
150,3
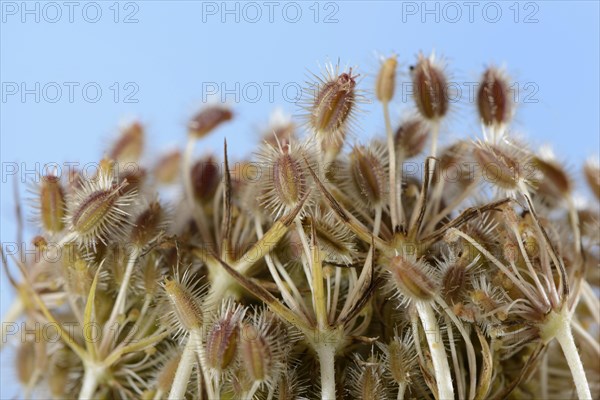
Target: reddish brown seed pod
x,y
206,176
255,353
368,174
411,136
148,224
494,98
51,204
555,183
430,89
223,336
334,99
129,146
498,166
208,119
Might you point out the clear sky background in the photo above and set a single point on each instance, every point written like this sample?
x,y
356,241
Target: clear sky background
x,y
72,72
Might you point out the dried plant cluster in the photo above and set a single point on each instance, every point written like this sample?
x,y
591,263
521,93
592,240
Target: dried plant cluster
x,y
318,268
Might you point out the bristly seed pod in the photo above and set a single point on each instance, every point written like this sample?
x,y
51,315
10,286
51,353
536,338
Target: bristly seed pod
x,y
368,174
333,101
148,224
285,180
223,336
499,166
494,98
366,379
430,88
184,304
411,136
208,119
414,279
129,147
386,80
98,211
51,204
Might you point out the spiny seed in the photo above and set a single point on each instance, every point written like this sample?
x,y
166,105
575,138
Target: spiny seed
x,y
186,307
167,168
399,361
255,353
148,224
94,210
206,176
222,342
129,146
494,100
555,181
411,136
411,278
430,89
453,282
368,175
52,204
498,167
333,104
208,119
288,179
386,80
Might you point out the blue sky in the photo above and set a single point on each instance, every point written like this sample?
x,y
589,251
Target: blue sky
x,y
72,73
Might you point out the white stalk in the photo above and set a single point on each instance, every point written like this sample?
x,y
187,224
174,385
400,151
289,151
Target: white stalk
x,y
90,381
433,335
184,369
326,354
564,337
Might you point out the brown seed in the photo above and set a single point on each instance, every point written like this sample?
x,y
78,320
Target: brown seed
x,y
494,100
185,305
255,352
148,224
498,167
386,80
411,137
430,89
208,119
52,204
206,176
333,103
129,147
368,175
412,278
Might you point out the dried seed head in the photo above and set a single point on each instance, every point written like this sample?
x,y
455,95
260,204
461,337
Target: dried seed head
x,y
413,279
184,303
223,336
99,210
368,174
386,80
166,170
208,119
206,176
400,358
430,89
591,170
499,166
333,100
51,204
284,177
411,136
494,98
129,147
